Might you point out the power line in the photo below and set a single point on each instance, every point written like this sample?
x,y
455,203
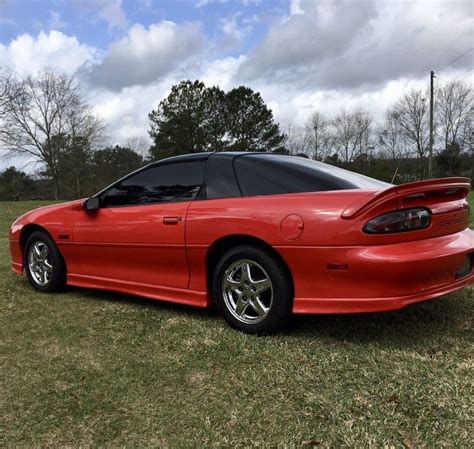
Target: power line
x,y
443,80
454,60
463,73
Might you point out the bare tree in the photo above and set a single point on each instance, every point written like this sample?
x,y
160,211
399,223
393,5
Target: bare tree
x,y
411,111
297,140
363,131
139,145
49,106
319,136
352,133
391,136
454,111
9,88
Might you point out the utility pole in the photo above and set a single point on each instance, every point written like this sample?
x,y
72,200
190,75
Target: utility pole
x,y
430,156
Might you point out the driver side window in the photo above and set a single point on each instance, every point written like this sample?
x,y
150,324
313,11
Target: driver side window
x,y
180,181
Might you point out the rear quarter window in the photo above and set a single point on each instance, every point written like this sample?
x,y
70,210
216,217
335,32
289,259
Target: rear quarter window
x,y
275,174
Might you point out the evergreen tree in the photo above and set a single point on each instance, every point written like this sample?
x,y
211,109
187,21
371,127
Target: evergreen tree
x,y
112,163
250,122
177,125
194,118
15,183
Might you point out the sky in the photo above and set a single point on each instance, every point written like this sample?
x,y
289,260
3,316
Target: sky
x,y
301,55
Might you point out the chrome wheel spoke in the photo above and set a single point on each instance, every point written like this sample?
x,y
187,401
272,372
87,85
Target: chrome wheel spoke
x,y
231,283
262,285
246,275
259,308
240,306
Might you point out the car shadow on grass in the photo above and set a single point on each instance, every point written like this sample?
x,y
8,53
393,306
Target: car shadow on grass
x,y
428,320
142,302
421,322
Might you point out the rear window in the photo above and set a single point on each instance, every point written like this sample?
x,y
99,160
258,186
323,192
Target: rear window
x,y
275,174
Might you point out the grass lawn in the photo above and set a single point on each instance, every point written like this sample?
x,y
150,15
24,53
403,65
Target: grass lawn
x,y
91,368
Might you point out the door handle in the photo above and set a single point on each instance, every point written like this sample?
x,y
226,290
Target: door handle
x,y
171,220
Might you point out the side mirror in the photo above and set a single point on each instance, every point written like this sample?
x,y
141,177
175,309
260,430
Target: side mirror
x,y
91,204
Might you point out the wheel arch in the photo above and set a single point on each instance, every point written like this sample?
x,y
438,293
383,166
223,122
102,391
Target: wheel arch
x,y
223,244
25,233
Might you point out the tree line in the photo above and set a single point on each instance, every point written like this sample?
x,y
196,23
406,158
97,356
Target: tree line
x,y
356,139
46,119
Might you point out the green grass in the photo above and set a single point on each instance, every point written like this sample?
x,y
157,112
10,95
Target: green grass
x,y
91,368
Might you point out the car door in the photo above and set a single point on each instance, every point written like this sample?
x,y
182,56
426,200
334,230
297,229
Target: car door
x,y
138,233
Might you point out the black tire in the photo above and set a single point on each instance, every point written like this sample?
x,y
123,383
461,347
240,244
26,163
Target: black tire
x,y
278,301
57,274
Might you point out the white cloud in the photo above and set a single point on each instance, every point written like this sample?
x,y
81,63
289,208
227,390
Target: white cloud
x,y
113,14
295,7
126,112
201,3
55,21
28,54
109,10
221,72
231,28
236,28
343,44
147,54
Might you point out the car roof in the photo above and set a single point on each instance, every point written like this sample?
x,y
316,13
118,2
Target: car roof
x,y
206,155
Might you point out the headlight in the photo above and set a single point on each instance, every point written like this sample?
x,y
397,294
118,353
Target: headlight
x,y
399,221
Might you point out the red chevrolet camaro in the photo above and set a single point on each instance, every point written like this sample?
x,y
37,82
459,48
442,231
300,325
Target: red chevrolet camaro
x,y
261,235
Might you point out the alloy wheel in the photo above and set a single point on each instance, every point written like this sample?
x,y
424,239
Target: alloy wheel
x,y
39,263
247,291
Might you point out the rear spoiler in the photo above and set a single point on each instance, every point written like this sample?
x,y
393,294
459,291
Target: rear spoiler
x,y
404,191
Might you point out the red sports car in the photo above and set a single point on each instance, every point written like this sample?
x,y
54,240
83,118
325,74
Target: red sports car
x,y
261,235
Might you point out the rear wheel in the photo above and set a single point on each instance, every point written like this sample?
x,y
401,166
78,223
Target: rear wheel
x,y
44,264
252,290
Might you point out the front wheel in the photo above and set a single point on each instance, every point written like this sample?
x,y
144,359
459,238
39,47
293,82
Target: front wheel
x,y
44,263
252,290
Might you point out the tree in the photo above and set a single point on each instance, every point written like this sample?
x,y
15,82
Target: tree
x,y
14,183
391,136
454,112
139,145
297,140
450,159
195,118
216,119
351,134
8,89
48,105
112,163
178,124
74,165
411,111
319,136
250,123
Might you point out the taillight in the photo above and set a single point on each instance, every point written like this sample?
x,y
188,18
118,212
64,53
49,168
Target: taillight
x,y
399,221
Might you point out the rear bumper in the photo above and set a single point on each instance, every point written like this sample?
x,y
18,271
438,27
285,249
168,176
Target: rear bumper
x,y
377,278
360,305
